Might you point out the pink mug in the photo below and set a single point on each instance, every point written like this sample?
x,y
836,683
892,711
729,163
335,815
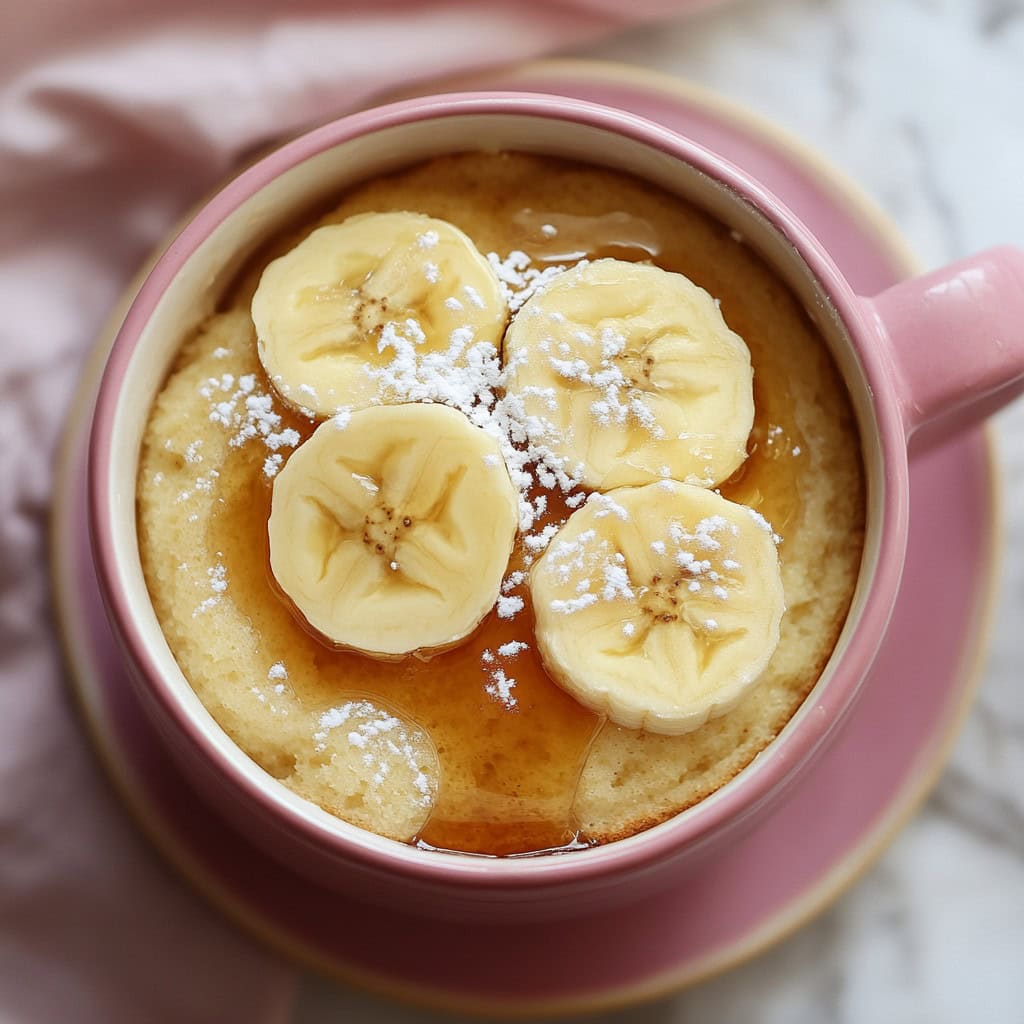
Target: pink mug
x,y
933,354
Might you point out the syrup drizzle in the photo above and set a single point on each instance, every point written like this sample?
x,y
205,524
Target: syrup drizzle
x,y
551,237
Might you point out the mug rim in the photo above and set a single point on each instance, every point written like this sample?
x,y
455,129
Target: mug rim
x,y
788,751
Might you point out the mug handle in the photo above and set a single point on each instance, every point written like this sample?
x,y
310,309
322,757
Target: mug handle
x,y
956,339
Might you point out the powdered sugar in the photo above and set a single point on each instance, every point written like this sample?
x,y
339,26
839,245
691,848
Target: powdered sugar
x,y
500,685
240,407
218,577
512,648
204,606
267,699
509,605
275,674
616,580
500,688
216,581
468,375
763,524
514,579
601,572
595,363
539,541
372,721
573,604
709,537
383,743
521,280
607,506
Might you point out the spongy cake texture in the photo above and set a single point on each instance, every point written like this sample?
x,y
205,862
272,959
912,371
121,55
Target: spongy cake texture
x,y
203,486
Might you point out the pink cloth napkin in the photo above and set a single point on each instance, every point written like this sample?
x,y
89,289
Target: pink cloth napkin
x,y
115,115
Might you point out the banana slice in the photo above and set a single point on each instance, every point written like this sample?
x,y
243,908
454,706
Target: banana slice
x,y
659,605
324,312
392,534
630,373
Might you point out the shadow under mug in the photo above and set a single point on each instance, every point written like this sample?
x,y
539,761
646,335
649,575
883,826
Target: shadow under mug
x,y
930,356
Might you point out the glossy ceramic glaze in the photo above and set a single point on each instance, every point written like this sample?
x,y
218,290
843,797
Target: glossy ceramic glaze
x,y
752,891
881,359
958,341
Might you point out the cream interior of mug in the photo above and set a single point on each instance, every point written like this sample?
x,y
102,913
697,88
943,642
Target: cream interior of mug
x,y
194,292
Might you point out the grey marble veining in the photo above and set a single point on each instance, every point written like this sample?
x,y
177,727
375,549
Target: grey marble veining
x,y
922,102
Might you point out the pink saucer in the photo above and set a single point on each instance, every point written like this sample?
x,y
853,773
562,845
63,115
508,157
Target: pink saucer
x,y
835,821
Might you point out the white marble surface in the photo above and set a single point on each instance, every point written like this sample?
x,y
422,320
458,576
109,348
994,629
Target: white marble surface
x,y
922,102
